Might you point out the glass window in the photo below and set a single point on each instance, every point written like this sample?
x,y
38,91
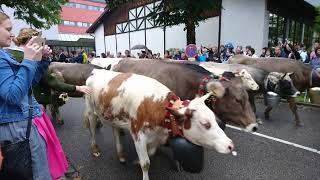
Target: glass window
x,y
72,23
101,9
78,5
79,24
66,23
90,7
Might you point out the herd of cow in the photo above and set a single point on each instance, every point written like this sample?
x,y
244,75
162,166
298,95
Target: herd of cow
x,y
157,99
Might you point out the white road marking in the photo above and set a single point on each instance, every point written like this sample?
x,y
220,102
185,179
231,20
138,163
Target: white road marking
x,y
279,140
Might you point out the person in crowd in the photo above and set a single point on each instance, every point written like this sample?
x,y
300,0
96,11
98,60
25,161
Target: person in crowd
x,y
177,55
268,53
304,54
313,53
238,50
292,52
247,48
278,52
119,55
315,62
184,56
91,57
251,53
167,55
263,52
84,56
149,54
16,79
127,53
103,55
62,56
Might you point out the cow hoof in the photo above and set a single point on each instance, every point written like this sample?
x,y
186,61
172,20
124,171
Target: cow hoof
x,y
95,151
122,160
300,124
96,154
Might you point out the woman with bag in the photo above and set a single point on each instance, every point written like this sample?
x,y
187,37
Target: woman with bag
x,y
18,107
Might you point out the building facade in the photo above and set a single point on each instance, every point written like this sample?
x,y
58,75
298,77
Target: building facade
x,y
258,23
70,34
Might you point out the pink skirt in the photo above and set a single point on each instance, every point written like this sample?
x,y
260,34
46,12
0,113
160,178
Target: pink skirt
x,y
57,161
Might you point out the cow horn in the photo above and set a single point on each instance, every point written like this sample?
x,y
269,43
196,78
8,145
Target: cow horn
x,y
206,96
216,88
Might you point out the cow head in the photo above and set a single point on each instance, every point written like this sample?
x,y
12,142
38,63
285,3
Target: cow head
x,y
247,79
200,126
231,103
281,83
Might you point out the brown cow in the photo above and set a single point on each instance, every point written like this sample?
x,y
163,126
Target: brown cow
x,y
304,76
185,79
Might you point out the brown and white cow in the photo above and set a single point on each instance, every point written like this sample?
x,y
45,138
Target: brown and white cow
x,y
139,104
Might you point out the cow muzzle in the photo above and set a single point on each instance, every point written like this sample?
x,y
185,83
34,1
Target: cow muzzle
x,y
253,127
296,94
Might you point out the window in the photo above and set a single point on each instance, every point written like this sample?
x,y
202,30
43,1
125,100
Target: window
x,y
72,23
101,9
79,24
66,23
78,5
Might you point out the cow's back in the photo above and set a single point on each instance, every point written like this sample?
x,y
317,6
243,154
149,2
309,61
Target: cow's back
x,y
181,80
127,97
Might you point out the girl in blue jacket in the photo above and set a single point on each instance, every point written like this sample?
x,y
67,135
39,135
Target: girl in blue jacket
x,y
15,81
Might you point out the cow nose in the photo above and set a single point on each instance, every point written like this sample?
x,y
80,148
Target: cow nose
x,y
254,129
231,147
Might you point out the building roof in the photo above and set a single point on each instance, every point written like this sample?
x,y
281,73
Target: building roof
x,y
98,21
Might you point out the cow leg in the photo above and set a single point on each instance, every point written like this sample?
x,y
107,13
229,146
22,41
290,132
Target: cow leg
x,y
55,113
293,107
119,147
267,112
253,106
90,121
141,147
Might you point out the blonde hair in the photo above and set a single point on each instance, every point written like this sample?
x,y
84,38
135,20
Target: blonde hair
x,y
25,35
3,17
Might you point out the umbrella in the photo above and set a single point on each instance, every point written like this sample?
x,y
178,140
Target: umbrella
x,y
139,46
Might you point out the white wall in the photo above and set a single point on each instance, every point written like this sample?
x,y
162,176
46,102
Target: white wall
x,y
122,42
176,37
243,23
99,39
155,40
136,38
111,44
207,32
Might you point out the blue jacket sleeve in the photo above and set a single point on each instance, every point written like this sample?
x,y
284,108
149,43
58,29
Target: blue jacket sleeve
x,y
14,87
41,70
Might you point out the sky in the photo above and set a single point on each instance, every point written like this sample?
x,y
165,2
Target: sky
x,y
314,2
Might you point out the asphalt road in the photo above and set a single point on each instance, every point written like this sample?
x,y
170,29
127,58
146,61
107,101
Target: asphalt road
x,y
258,158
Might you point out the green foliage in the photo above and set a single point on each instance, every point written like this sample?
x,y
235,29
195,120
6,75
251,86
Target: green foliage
x,y
116,3
174,12
39,13
317,20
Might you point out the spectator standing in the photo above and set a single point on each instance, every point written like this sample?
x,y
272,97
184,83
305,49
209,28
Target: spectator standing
x,y
315,62
313,53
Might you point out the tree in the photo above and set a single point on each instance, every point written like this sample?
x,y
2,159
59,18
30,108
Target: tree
x,y
39,13
174,12
317,20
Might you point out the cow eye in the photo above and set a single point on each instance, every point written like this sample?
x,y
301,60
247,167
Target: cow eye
x,y
206,125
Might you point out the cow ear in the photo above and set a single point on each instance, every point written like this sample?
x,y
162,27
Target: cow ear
x,y
175,112
216,88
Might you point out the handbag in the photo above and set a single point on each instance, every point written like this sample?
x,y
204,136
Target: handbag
x,y
17,163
